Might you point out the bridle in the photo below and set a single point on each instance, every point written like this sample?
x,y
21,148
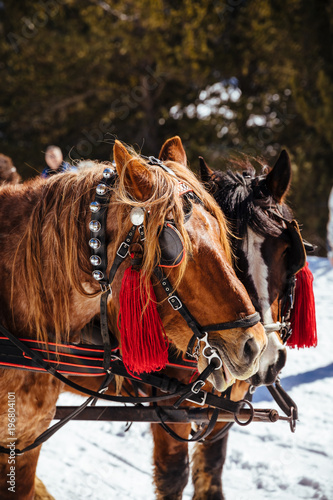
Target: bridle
x,y
99,262
283,327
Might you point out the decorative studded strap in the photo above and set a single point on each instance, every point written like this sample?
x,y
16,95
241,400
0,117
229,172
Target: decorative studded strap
x,y
97,241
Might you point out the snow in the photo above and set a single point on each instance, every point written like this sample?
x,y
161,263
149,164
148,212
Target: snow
x,y
99,460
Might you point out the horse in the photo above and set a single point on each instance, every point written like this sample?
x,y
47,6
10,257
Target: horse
x,y
50,293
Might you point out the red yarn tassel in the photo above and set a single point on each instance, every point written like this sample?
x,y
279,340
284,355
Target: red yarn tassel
x,y
303,317
143,340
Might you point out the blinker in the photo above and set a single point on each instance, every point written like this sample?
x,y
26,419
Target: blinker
x,y
297,249
172,246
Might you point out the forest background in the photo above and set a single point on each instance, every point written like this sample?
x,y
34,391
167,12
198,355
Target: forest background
x,y
229,77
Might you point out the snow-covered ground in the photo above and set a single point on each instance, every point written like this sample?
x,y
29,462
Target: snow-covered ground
x,y
98,460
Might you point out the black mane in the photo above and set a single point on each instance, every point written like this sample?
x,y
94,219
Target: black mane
x,y
244,198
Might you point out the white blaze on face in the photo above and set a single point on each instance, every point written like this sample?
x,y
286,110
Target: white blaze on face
x,y
258,271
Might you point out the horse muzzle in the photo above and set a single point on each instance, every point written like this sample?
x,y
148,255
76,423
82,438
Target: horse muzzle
x,y
241,363
270,366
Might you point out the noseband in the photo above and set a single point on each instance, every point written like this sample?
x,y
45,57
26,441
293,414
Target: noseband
x,y
171,255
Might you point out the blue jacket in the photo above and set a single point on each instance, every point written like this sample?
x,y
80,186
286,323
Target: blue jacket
x,y
64,167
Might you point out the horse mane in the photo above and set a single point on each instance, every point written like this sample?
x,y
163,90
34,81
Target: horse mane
x,y
53,251
244,197
52,258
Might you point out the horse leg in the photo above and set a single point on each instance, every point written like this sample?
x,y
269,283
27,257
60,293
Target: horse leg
x,y
41,492
171,462
207,465
209,457
27,406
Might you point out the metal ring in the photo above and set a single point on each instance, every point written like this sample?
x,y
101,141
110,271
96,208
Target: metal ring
x,y
247,422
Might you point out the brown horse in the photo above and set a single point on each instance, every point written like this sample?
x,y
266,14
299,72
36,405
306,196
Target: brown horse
x,y
49,292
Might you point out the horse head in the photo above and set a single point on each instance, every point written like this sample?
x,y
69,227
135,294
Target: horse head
x,y
268,247
203,278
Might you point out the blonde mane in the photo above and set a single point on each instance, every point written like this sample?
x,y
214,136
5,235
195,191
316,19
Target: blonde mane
x,y
52,259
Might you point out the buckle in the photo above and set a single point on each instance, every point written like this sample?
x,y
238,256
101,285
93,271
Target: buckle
x,y
123,250
106,287
203,400
197,386
175,302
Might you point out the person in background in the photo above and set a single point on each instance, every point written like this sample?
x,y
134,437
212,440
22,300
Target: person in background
x,y
330,229
8,172
55,162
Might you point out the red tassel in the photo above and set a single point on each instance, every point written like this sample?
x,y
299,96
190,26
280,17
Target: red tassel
x,y
303,317
143,340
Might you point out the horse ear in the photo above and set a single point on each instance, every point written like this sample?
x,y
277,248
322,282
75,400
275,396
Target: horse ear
x,y
205,173
173,150
278,179
137,178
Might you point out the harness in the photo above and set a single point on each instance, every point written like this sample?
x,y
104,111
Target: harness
x,y
297,262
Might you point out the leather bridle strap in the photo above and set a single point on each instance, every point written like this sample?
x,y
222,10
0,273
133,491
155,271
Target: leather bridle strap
x,y
176,303
200,332
246,322
121,254
104,329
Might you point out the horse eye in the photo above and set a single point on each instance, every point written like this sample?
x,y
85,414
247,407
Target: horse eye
x,y
285,252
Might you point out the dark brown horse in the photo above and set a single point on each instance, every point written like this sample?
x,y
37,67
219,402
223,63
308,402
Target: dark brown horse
x,y
264,255
48,291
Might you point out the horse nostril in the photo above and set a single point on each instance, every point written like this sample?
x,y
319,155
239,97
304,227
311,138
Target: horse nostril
x,y
251,349
281,359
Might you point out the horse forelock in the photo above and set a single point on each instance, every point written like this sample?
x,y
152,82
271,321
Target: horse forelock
x,y
244,199
164,204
